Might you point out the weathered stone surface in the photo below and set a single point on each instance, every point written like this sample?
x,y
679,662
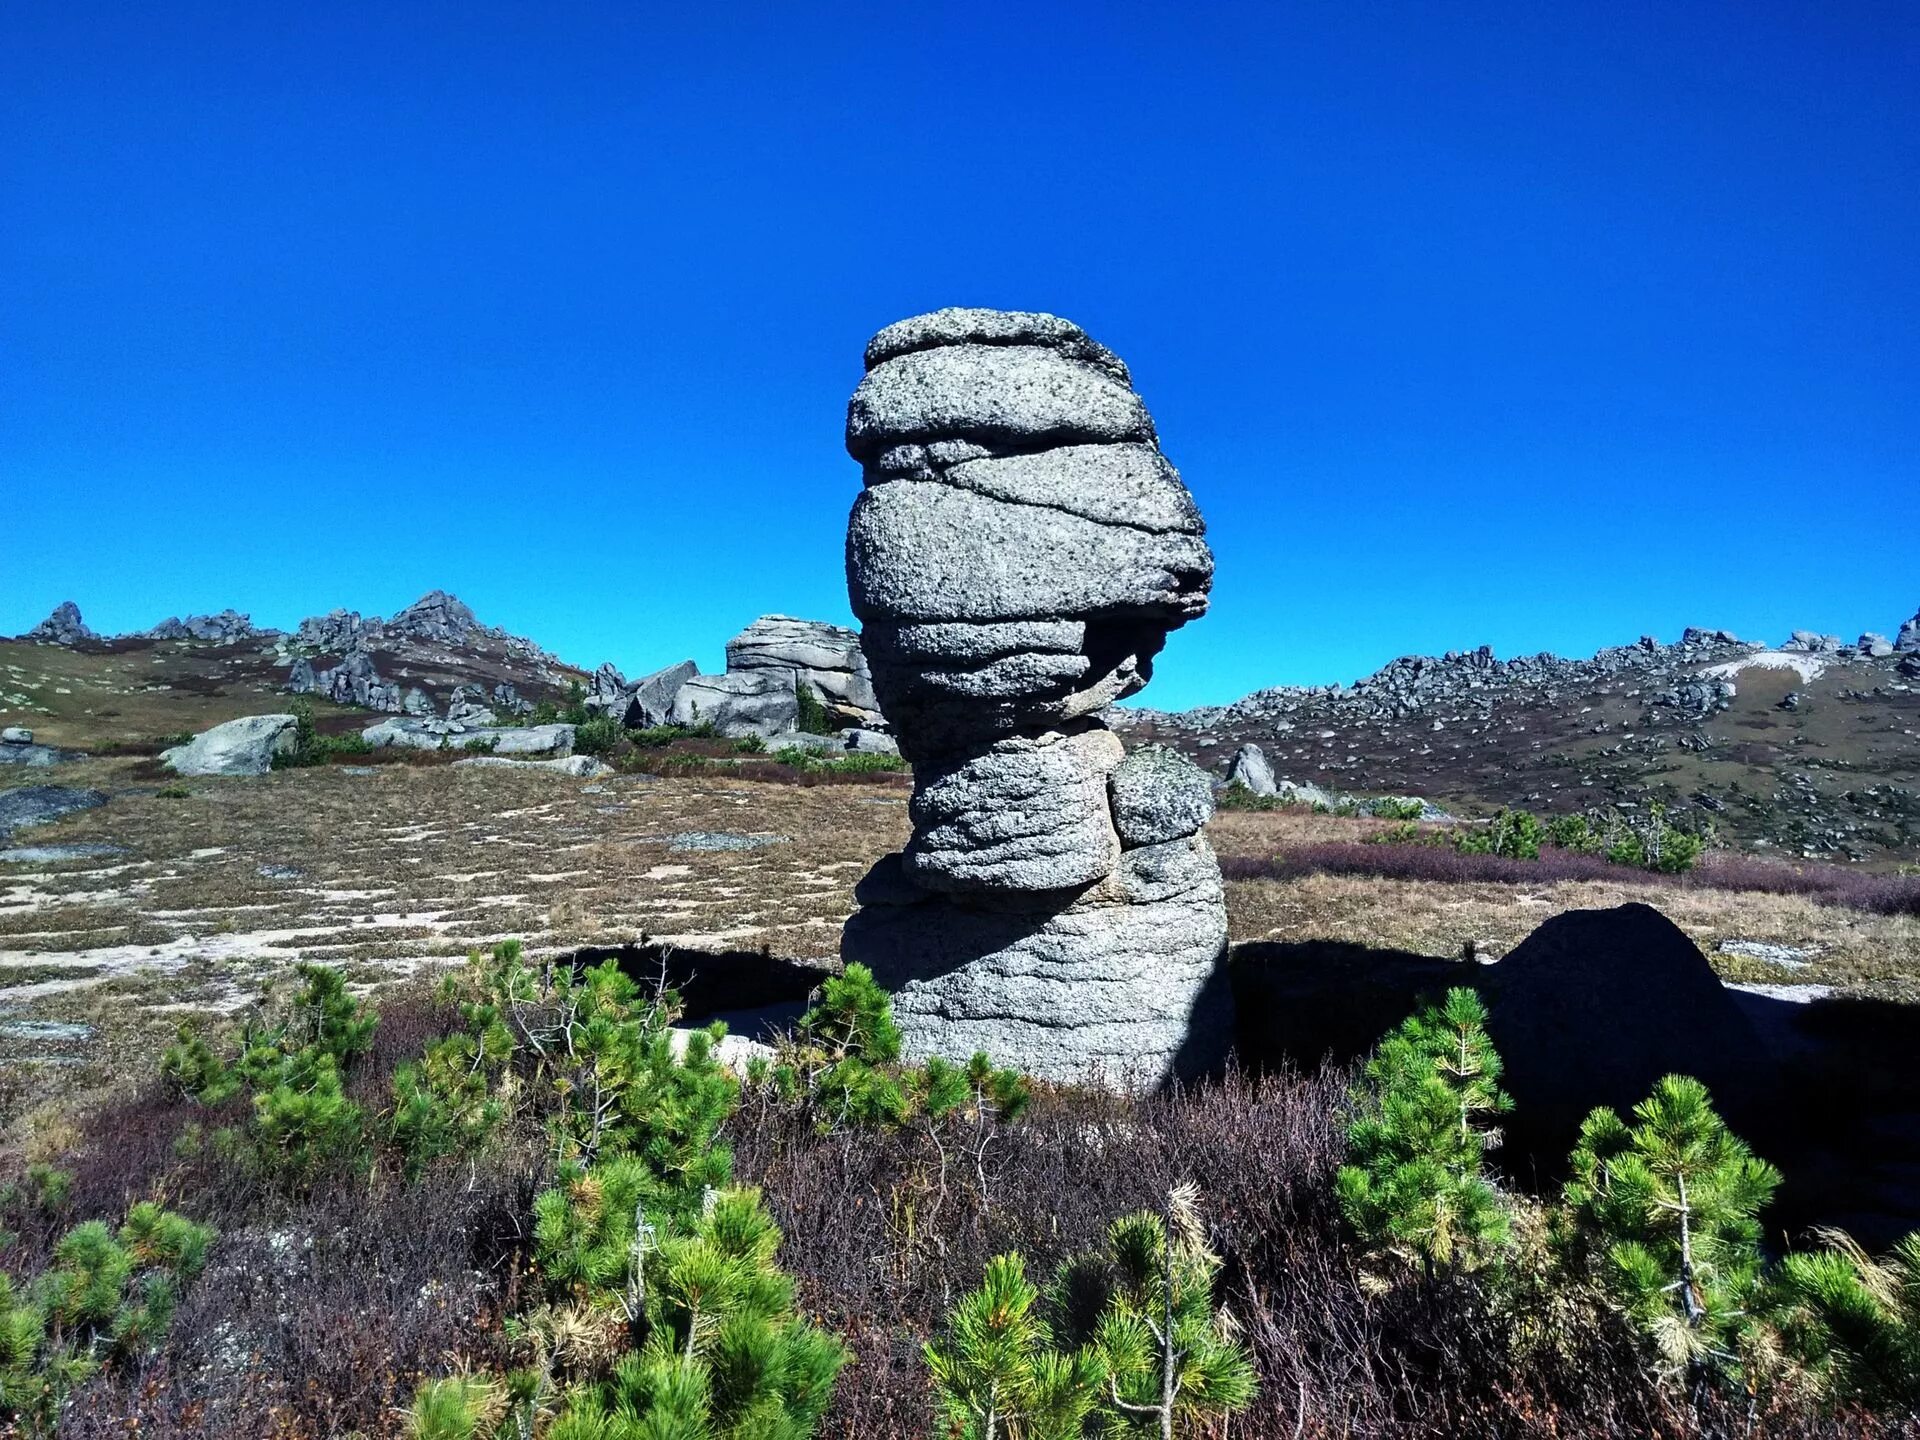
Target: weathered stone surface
x,y
1130,485
1251,770
930,552
240,747
1014,396
958,325
650,702
63,627
1876,646
432,734
40,804
1120,994
1017,558
37,757
752,702
1159,795
1029,814
1909,636
826,657
16,735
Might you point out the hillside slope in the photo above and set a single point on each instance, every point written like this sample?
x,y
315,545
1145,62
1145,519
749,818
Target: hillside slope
x,y
1811,749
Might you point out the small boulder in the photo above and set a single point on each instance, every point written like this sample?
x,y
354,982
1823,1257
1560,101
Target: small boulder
x,y
16,735
1874,646
1909,636
240,747
1250,771
869,742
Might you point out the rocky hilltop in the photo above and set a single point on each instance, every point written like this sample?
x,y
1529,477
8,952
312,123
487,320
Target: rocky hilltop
x,y
1811,746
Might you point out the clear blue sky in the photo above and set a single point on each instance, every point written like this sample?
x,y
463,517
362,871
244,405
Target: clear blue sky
x,y
1541,326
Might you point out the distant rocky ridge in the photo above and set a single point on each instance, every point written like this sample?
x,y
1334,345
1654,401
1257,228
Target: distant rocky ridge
x,y
1811,746
435,659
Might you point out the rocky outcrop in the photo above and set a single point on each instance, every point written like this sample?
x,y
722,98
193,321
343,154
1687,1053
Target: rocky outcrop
x,y
437,616
642,703
1017,557
229,627
825,658
1909,636
750,702
354,681
240,747
468,706
63,627
451,735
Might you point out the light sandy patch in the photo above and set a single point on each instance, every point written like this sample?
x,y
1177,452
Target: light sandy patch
x,y
1808,667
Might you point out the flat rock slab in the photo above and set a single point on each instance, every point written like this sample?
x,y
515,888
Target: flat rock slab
x,y
721,840
582,766
39,804
46,854
38,756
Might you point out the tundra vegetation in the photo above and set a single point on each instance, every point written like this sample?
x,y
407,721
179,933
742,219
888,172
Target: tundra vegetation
x,y
524,1203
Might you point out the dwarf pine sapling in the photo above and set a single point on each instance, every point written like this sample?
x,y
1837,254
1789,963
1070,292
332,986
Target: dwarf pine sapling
x,y
1416,1184
1668,1208
1854,1320
997,1372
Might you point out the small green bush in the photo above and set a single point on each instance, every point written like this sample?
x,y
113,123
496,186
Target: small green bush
x,y
1665,1214
1515,834
1393,808
814,718
1416,1184
598,736
310,747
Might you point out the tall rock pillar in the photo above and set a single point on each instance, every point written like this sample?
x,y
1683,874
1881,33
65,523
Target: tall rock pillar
x,y
1016,559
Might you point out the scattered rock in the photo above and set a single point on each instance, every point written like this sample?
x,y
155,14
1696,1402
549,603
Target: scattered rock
x,y
41,804
1874,646
1017,556
240,747
722,840
49,854
1811,643
281,872
16,735
63,627
37,756
584,766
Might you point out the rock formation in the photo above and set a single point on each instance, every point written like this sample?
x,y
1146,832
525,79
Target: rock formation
x,y
63,627
1018,555
825,658
239,747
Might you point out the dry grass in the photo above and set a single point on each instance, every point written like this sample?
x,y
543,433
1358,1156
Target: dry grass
x,y
403,867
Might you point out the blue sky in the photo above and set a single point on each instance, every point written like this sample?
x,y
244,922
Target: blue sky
x,y
1535,326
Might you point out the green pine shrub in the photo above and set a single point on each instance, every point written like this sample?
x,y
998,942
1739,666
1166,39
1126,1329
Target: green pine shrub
x,y
1130,1340
1664,1214
1416,1184
1515,834
1854,1321
106,1297
598,736
846,1059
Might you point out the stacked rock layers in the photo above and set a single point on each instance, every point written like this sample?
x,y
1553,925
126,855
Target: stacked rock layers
x,y
1018,555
